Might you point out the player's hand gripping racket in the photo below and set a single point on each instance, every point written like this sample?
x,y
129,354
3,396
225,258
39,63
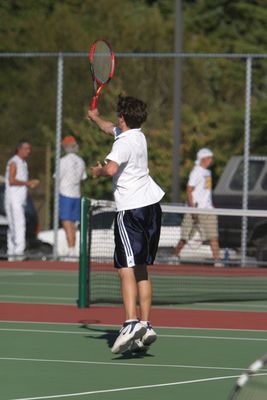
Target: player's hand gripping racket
x,y
102,63
252,384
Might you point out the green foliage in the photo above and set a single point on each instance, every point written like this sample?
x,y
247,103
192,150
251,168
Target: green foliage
x,y
213,91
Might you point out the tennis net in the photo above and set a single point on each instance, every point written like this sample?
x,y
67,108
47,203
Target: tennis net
x,y
193,277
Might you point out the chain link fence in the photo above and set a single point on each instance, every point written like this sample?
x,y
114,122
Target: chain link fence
x,y
222,96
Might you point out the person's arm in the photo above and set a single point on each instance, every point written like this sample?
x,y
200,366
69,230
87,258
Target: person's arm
x,y
15,182
189,196
109,169
190,200
105,126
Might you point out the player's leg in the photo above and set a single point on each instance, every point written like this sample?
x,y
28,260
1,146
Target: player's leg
x,y
186,228
10,231
144,291
19,227
129,292
69,212
209,224
132,329
70,231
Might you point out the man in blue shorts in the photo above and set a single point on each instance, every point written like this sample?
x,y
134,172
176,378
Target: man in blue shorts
x,y
72,172
138,218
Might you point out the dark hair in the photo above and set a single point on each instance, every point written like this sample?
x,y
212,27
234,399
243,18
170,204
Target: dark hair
x,y
20,144
133,111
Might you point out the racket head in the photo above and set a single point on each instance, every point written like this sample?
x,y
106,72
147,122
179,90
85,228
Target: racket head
x,y
252,384
102,61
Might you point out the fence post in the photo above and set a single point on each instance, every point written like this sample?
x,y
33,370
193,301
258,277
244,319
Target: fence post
x,y
60,74
83,262
246,160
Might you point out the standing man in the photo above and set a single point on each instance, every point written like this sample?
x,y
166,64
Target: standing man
x,y
16,187
138,217
72,172
199,195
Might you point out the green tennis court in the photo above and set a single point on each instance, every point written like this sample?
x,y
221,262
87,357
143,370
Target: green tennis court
x,y
56,360
45,361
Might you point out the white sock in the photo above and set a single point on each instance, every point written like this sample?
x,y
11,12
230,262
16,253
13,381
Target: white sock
x,y
131,320
146,323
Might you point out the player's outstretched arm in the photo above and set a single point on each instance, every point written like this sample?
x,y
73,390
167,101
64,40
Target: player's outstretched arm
x,y
105,126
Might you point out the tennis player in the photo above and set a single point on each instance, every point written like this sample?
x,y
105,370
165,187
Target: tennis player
x,y
138,217
199,195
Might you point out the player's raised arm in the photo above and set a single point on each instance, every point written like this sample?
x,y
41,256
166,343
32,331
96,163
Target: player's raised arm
x,y
105,126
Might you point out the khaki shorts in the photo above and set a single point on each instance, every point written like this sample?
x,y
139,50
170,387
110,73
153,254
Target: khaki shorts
x,y
208,225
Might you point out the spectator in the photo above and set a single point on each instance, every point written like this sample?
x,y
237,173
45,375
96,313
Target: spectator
x,y
199,195
72,172
16,187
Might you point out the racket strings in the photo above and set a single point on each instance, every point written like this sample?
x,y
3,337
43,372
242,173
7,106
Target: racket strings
x,y
102,62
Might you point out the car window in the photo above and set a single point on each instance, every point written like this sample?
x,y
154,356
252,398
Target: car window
x,y
264,182
255,168
171,219
103,220
2,200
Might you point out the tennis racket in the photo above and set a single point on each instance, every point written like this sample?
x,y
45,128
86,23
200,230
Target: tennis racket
x,y
102,64
252,384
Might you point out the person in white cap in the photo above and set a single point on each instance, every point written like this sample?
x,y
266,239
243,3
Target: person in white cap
x,y
72,172
199,195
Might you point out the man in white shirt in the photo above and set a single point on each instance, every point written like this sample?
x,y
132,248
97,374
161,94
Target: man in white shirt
x,y
199,195
72,172
138,218
16,187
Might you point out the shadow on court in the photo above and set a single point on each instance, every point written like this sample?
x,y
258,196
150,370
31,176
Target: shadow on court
x,y
110,336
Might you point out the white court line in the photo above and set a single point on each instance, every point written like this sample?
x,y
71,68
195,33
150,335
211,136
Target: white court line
x,y
172,328
120,364
58,396
35,297
88,332
37,284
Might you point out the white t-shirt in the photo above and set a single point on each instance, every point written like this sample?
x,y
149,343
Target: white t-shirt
x,y
72,172
22,174
133,187
200,179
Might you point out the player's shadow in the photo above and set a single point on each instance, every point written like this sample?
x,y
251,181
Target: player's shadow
x,y
110,336
99,334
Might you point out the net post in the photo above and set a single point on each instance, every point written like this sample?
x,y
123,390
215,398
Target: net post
x,y
83,300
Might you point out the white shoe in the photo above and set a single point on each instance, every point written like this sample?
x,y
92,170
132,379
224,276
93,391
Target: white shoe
x,y
218,264
150,336
138,346
141,346
129,332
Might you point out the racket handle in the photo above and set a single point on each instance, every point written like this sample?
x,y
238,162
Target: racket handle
x,y
93,103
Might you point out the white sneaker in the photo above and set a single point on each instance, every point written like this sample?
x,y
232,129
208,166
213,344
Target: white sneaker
x,y
150,336
129,332
138,346
141,346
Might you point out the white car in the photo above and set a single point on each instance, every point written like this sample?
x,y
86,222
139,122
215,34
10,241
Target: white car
x,y
102,238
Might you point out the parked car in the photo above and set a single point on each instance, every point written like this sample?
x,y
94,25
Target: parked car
x,y
102,238
35,247
228,194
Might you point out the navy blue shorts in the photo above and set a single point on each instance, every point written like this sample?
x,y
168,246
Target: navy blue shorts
x,y
69,208
137,234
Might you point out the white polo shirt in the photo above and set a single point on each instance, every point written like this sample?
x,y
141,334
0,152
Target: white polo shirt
x,y
15,191
72,172
200,179
133,187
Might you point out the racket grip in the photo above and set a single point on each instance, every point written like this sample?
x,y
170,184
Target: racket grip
x,y
93,103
